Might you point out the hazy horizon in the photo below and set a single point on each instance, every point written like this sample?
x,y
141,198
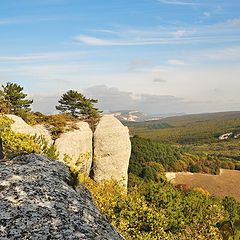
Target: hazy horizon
x,y
154,56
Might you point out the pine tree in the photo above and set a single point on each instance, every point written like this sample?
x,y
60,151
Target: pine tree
x,y
4,105
14,98
77,104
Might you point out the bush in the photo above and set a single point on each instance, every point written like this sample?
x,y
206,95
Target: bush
x,y
56,124
47,150
15,144
154,210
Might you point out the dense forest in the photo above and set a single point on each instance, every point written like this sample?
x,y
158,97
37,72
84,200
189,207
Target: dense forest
x,y
149,158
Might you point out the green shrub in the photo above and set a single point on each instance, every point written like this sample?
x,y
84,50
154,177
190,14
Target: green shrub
x,y
157,210
16,143
46,149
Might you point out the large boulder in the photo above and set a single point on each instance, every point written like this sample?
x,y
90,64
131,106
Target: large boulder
x,y
39,201
77,145
20,126
112,149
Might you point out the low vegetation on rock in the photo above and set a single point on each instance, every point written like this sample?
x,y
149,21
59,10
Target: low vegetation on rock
x,y
15,144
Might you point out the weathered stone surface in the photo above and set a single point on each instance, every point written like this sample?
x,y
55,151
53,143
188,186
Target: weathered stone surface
x,y
37,201
77,145
21,126
112,149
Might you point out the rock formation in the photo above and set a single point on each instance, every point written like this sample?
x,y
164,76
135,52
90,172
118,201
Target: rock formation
x,y
38,201
112,149
19,125
77,145
111,146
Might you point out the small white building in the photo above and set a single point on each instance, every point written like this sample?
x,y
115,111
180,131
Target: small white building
x,y
236,136
225,136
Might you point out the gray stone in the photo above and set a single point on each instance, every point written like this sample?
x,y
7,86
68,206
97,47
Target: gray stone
x,y
112,149
21,126
77,145
38,201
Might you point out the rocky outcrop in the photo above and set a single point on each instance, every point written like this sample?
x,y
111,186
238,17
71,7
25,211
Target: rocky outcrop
x,y
111,146
112,149
20,126
38,201
77,145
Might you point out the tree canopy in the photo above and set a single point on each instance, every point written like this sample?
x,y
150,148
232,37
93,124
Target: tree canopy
x,y
77,104
13,99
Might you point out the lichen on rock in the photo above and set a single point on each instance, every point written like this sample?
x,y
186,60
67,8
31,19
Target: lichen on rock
x,y
38,201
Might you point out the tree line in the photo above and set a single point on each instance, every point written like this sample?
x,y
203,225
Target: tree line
x,y
13,100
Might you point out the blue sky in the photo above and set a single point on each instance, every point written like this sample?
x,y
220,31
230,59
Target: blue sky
x,y
156,56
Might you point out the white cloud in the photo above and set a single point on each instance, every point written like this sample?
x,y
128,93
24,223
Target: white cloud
x,y
27,20
112,99
187,89
225,54
106,31
182,32
45,103
94,41
234,22
175,2
159,80
207,14
225,32
22,58
176,62
140,64
41,56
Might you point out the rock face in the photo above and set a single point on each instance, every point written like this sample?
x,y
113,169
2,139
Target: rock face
x,y
112,149
111,146
77,145
38,201
21,126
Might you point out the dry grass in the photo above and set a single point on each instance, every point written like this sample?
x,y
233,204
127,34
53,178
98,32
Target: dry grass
x,y
225,184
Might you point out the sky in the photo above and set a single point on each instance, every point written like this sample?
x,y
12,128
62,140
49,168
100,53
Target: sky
x,y
155,56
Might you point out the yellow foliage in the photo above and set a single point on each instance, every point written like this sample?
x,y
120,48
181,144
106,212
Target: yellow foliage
x,y
106,194
16,143
202,191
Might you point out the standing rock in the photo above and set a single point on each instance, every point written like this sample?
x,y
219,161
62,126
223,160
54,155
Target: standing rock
x,y
77,145
21,126
112,149
38,201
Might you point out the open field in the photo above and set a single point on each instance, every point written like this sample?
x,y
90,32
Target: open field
x,y
225,184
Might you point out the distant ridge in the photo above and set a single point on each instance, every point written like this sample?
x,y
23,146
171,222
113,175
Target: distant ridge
x,y
137,116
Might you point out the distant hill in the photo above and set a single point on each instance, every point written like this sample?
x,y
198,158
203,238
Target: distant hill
x,y
187,129
137,116
129,116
